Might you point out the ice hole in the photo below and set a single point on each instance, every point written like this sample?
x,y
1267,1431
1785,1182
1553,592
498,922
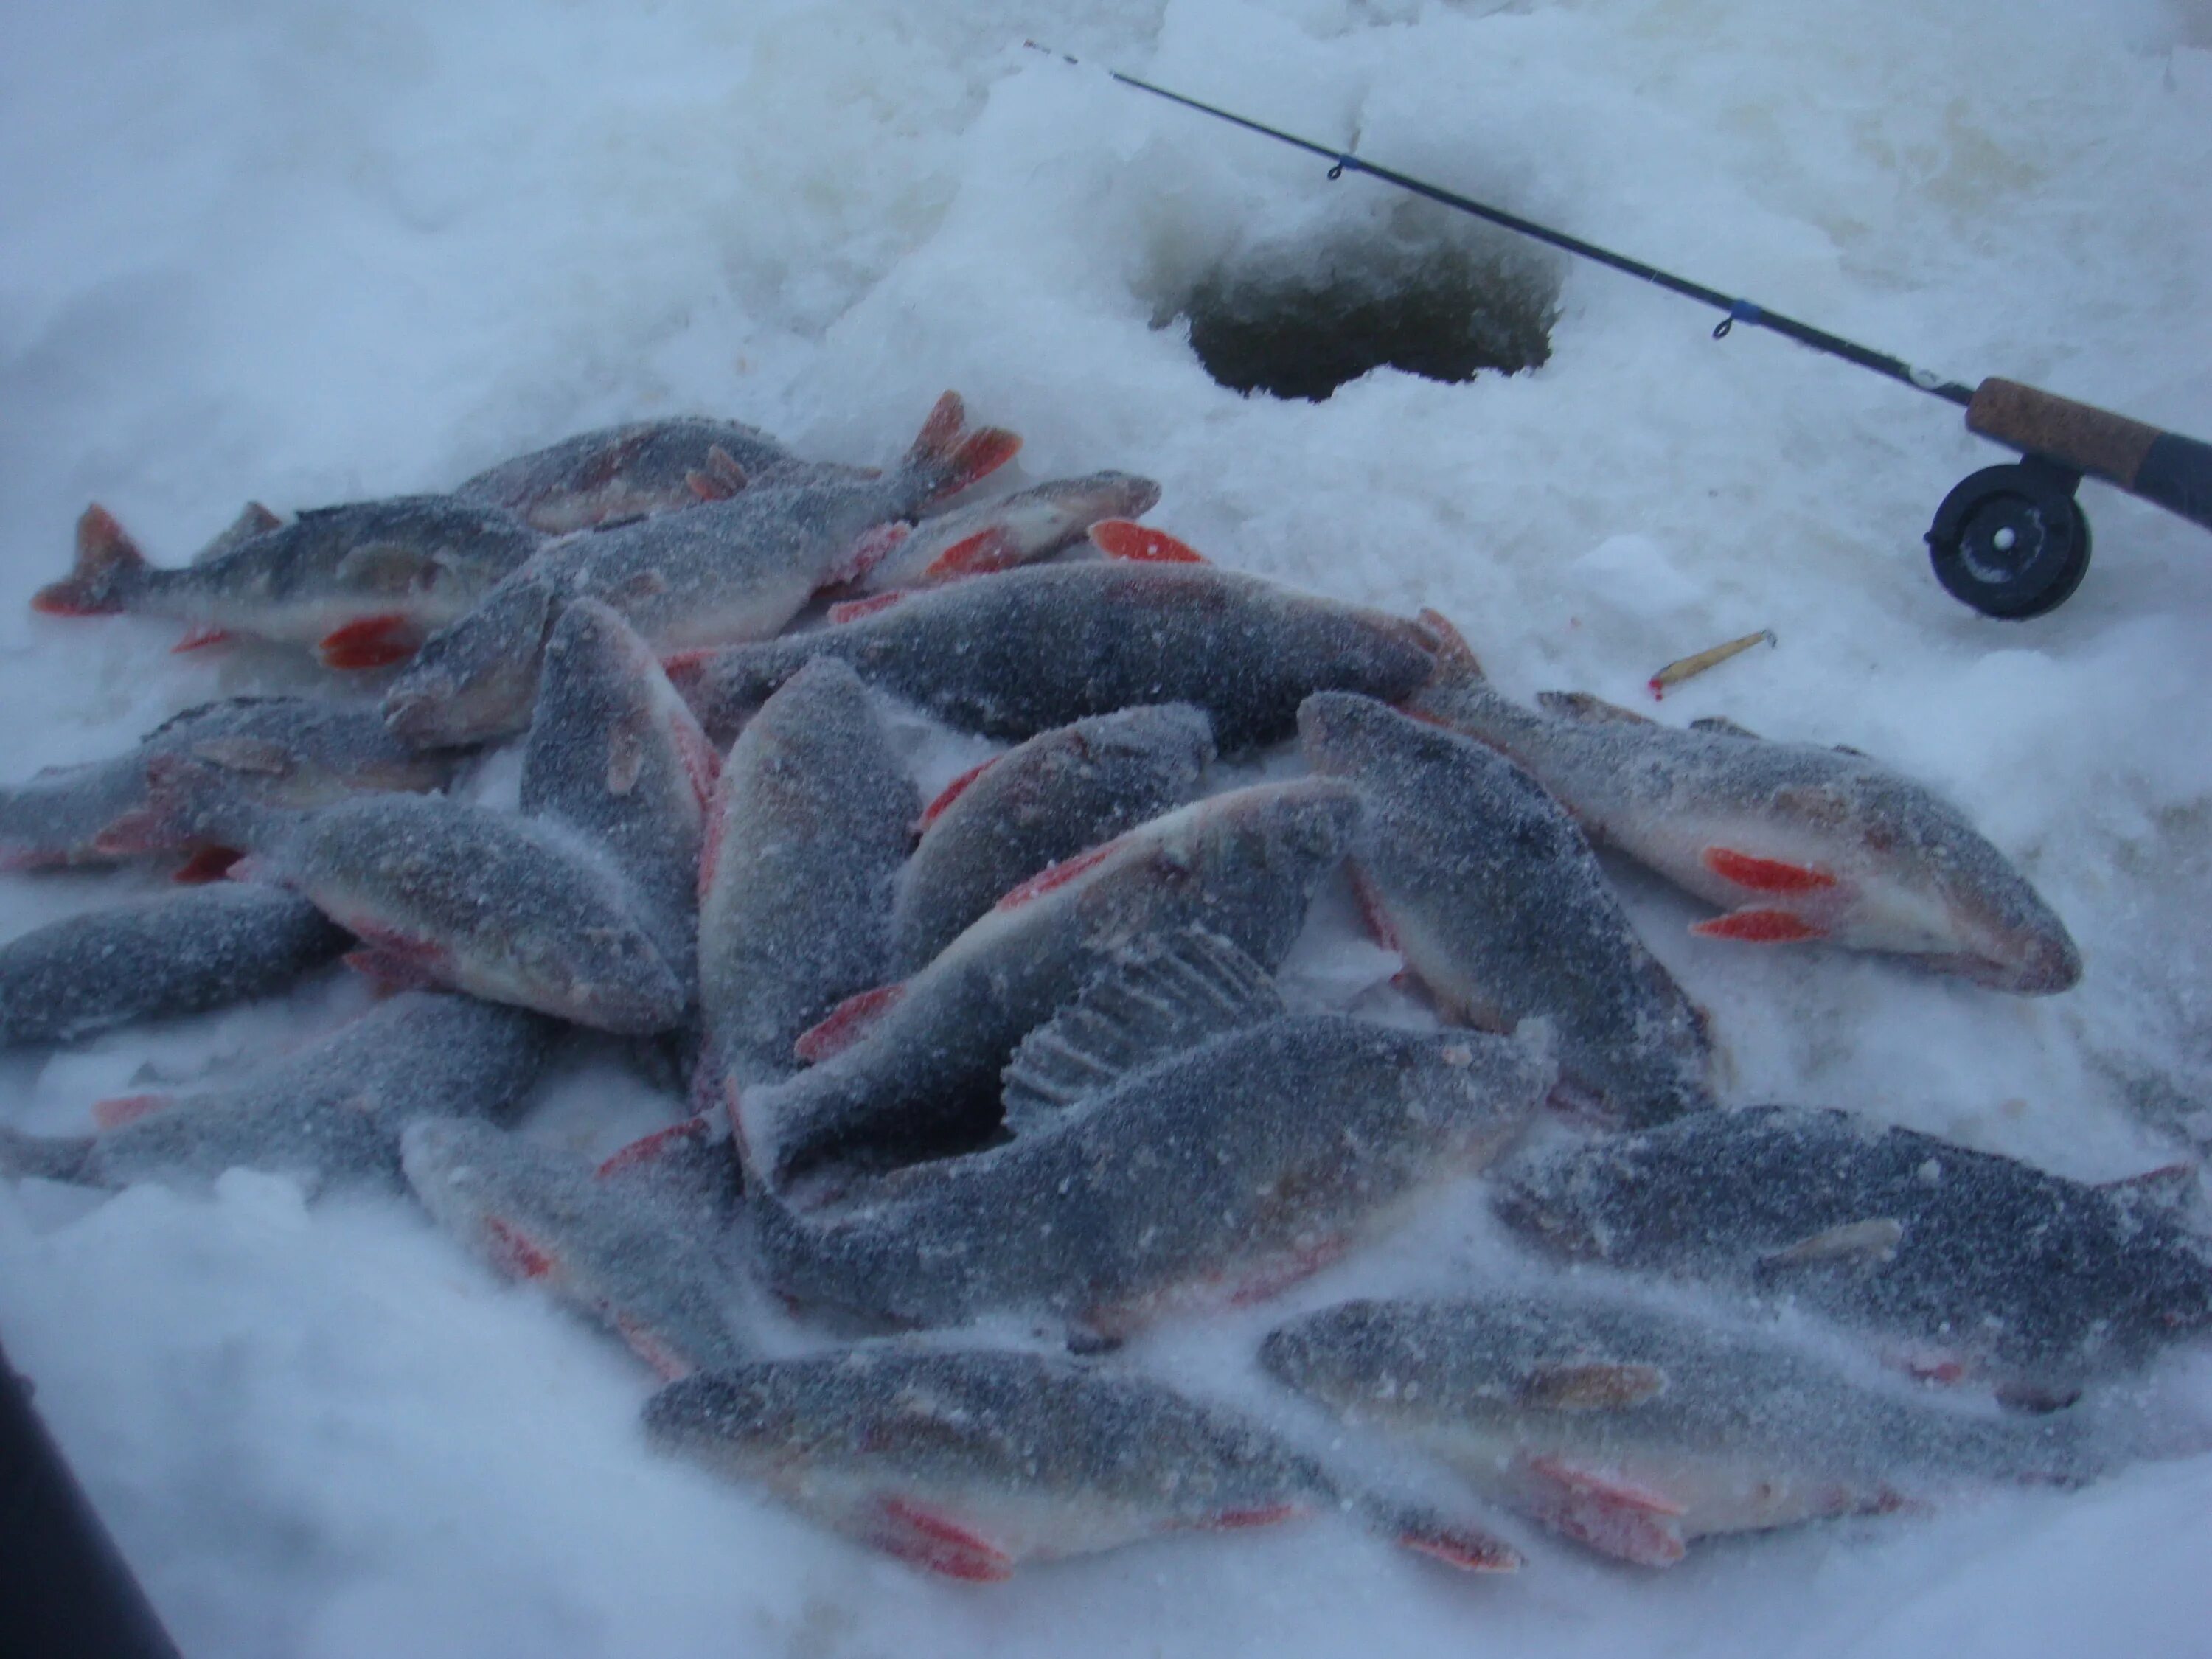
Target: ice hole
x,y
1418,289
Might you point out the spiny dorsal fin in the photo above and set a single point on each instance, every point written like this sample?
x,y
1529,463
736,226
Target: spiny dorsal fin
x,y
1720,726
2166,1190
253,519
1593,710
1165,997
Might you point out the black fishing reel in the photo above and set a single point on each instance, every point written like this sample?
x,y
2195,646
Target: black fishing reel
x,y
2011,541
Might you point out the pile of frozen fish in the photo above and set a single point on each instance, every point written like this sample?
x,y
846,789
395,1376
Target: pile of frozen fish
x,y
1019,1058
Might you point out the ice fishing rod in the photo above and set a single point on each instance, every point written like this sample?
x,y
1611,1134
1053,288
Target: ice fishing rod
x,y
2011,541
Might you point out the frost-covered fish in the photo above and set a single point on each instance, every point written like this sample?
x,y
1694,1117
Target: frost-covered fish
x,y
178,954
642,1257
1021,652
503,906
1794,841
332,1112
919,1067
365,583
967,1462
636,471
1062,792
810,821
1030,524
288,751
1635,1432
1179,1140
737,569
1481,879
616,756
1957,1260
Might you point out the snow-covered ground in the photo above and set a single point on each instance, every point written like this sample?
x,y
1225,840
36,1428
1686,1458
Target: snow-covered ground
x,y
311,253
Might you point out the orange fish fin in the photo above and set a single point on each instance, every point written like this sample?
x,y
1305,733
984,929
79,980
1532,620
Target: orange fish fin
x,y
371,643
1760,875
929,1539
1125,538
1058,875
847,610
114,1113
953,790
845,1024
992,548
1758,927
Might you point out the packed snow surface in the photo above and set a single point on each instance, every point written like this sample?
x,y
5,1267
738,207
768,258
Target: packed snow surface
x,y
311,253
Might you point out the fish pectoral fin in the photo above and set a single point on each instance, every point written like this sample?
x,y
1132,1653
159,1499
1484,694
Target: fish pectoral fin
x,y
1870,1241
994,548
264,756
1759,927
1590,710
1764,875
847,1023
1598,1507
1158,1000
1591,1385
626,752
369,643
1720,726
1125,538
926,1537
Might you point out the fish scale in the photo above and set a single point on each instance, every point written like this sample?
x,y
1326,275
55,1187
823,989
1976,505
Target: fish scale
x,y
967,1462
330,1113
289,751
1049,800
1018,652
1635,1431
922,1073
734,569
1796,842
811,820
1500,908
1957,1257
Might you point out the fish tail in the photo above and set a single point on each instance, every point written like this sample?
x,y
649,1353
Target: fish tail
x,y
946,457
109,570
1455,658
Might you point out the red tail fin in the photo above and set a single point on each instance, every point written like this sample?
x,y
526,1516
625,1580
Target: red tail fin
x,y
954,457
108,564
1455,658
1125,538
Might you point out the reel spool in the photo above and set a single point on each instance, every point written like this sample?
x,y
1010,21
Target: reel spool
x,y
2012,541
